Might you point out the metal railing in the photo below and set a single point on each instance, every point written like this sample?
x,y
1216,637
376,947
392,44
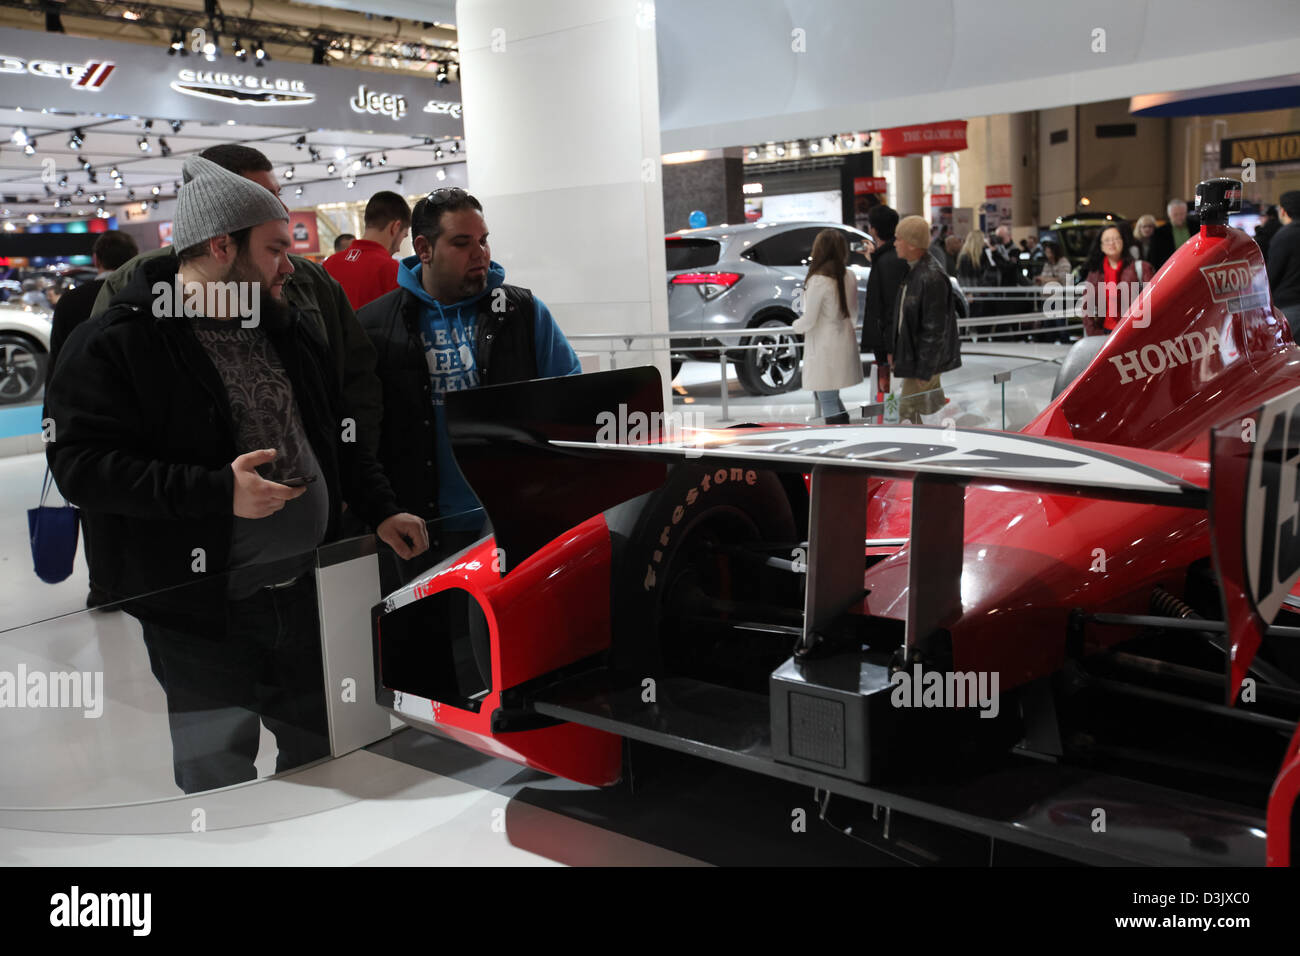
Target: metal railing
x,y
991,327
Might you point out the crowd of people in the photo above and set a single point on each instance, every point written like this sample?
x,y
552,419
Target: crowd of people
x,y
211,452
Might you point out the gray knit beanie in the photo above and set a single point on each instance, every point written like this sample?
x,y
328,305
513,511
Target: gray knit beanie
x,y
213,201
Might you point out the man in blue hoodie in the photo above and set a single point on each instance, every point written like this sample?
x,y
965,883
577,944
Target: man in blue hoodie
x,y
453,323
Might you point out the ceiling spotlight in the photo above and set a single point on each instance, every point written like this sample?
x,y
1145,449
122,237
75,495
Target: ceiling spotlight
x,y
351,183
101,213
30,148
753,152
143,143
177,45
288,173
368,163
148,124
298,191
356,164
176,125
454,148
19,137
212,48
241,52
399,177
80,192
428,141
340,153
144,207
130,195
156,190
114,173
383,159
162,145
32,217
330,168
85,163
314,153
437,152
318,53
301,141
153,204
442,74
441,174
814,146
63,182
92,176
76,139
780,149
48,190
259,53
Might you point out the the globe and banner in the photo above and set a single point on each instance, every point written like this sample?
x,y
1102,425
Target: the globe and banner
x,y
949,137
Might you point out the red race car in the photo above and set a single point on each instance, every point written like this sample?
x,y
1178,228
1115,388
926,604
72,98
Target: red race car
x,y
1030,641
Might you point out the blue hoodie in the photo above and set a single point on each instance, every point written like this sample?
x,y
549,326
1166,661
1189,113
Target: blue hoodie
x,y
443,329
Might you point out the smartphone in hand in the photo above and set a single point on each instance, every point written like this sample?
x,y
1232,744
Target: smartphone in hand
x,y
298,481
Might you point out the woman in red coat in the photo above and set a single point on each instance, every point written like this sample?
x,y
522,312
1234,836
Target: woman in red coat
x,y
1114,279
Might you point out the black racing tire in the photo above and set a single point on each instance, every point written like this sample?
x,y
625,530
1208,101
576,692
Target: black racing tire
x,y
666,551
777,368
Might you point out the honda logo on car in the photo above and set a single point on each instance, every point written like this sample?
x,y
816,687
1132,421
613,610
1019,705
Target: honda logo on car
x,y
90,75
380,104
1153,359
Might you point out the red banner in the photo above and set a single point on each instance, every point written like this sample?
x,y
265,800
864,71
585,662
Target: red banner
x,y
926,138
302,230
1002,191
865,185
940,199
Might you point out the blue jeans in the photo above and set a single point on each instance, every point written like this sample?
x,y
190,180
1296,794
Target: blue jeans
x,y
829,402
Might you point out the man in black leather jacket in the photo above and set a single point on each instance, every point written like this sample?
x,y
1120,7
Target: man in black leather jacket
x,y
925,341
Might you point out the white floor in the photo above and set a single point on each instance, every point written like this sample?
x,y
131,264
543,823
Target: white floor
x,y
82,791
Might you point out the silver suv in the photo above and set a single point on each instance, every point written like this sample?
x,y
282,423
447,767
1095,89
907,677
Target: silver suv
x,y
726,278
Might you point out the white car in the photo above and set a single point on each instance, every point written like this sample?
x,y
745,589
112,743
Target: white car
x,y
24,349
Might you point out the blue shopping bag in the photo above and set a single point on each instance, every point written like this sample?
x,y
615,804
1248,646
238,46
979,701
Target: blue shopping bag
x,y
53,533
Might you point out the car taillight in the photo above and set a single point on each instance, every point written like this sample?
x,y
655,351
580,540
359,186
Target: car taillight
x,y
709,285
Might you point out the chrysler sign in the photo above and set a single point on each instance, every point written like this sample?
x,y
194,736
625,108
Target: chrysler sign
x,y
243,89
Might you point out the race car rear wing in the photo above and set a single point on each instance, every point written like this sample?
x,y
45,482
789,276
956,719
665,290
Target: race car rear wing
x,y
542,457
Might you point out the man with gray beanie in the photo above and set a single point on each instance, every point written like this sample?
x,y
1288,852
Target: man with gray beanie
x,y
198,425
925,341
310,289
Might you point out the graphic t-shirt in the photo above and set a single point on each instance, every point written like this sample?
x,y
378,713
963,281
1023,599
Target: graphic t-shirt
x,y
266,416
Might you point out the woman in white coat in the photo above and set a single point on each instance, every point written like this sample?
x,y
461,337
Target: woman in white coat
x,y
830,352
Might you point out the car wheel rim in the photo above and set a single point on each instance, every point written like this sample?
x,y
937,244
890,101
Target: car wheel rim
x,y
17,371
777,360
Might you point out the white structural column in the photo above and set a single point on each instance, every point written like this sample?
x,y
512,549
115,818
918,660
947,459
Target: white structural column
x,y
562,128
909,187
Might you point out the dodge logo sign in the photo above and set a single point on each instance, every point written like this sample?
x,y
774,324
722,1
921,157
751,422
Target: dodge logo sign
x,y
91,75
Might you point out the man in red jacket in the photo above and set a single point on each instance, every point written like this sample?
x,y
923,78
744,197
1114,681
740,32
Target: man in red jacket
x,y
366,269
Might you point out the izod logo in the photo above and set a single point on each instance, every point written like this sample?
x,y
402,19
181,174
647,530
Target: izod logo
x,y
1227,281
380,104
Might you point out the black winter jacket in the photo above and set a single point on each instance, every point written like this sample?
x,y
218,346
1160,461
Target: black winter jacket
x,y
878,322
926,342
505,351
143,443
1284,266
